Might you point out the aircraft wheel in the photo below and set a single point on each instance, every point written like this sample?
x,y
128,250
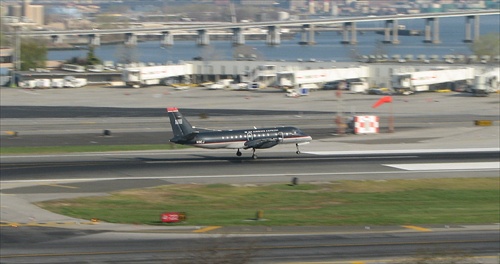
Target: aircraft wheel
x,y
298,152
238,153
254,156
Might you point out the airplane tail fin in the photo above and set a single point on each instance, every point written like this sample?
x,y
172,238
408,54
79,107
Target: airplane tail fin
x,y
180,126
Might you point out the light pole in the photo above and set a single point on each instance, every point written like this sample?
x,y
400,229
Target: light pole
x,y
16,55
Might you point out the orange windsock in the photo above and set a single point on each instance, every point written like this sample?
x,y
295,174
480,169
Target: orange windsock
x,y
383,100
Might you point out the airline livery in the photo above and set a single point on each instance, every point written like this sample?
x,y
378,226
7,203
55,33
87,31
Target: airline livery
x,y
257,138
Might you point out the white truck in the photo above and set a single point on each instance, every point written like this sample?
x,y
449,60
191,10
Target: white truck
x,y
66,82
488,82
72,82
221,84
153,75
409,82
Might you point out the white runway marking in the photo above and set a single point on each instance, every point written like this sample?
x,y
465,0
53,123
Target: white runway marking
x,y
399,151
446,166
357,173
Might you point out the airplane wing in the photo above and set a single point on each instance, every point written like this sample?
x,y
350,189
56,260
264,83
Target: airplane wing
x,y
262,143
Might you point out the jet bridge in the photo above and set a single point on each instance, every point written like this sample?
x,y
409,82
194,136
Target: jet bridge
x,y
318,77
153,75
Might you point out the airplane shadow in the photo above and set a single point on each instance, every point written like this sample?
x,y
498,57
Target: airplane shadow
x,y
198,157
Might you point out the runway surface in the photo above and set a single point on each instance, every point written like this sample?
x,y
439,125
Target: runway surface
x,y
102,173
223,166
48,245
423,147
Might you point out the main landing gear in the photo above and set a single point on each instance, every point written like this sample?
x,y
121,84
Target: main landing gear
x,y
238,153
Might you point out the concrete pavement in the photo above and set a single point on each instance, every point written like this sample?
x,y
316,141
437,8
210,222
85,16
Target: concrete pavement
x,y
19,208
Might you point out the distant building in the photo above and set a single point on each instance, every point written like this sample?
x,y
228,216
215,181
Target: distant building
x,y
26,8
15,11
258,2
26,11
37,14
6,57
294,4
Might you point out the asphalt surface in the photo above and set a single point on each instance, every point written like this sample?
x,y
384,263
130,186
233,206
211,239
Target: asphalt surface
x,y
73,117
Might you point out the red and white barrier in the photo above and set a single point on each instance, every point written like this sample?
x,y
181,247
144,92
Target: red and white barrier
x,y
366,124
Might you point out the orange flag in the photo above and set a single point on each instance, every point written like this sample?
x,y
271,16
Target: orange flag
x,y
383,100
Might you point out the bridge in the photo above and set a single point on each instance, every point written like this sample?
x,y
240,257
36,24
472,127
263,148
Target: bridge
x,y
308,27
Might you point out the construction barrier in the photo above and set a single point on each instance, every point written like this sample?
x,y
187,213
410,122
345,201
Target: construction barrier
x,y
366,124
483,122
172,217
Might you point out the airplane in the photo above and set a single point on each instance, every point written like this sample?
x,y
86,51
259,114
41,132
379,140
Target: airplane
x,y
256,138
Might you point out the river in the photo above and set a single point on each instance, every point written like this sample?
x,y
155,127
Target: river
x,y
327,47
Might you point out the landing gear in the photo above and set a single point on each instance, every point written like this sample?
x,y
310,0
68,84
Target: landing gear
x,y
253,154
298,150
238,153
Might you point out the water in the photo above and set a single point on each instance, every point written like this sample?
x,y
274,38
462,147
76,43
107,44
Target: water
x,y
327,46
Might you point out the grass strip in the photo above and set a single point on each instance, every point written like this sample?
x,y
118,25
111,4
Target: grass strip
x,y
92,148
391,202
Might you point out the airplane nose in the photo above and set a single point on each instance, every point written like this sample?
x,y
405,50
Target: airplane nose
x,y
306,137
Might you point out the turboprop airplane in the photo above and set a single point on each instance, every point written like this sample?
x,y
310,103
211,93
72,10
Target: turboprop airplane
x,y
256,138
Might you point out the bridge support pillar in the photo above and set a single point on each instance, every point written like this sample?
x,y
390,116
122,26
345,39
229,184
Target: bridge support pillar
x,y
435,31
468,35
273,36
354,35
307,35
349,26
476,28
94,40
238,37
203,38
391,28
395,32
56,39
130,39
387,32
167,39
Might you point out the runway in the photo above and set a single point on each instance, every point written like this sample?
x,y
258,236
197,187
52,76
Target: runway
x,y
64,246
423,147
194,166
107,172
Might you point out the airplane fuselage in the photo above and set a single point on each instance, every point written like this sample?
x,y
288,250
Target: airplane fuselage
x,y
237,139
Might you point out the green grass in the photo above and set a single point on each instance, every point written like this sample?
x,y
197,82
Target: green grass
x,y
73,149
393,202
